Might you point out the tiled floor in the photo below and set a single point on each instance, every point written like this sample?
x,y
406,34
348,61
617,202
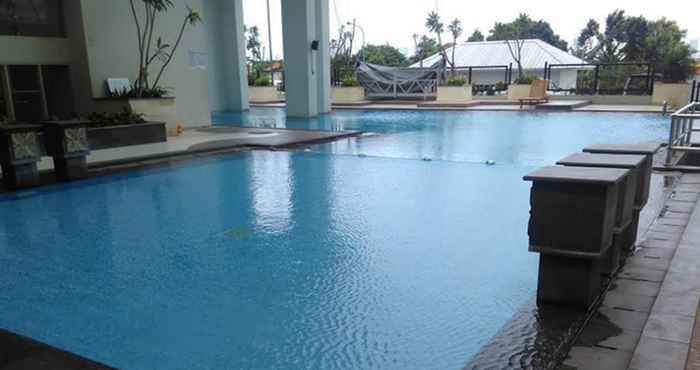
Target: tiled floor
x,y
650,312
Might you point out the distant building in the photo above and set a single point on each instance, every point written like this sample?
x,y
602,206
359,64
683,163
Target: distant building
x,y
491,56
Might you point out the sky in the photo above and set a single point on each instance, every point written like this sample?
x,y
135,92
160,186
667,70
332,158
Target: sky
x,y
394,21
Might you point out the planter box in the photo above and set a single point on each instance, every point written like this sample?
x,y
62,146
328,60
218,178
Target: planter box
x,y
351,94
157,110
126,135
265,94
456,94
676,95
516,92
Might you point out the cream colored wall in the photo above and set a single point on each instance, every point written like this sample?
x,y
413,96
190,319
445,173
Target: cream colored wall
x,y
34,50
676,95
347,94
454,93
111,51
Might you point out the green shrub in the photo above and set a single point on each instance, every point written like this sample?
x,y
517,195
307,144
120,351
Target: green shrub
x,y
525,79
500,86
151,92
125,117
350,81
456,81
262,81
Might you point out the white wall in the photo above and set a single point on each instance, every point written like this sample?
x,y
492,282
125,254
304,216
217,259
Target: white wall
x,y
111,50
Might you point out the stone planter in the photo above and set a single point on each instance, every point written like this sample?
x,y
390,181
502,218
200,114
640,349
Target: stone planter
x,y
19,154
350,94
126,135
157,110
675,94
455,94
67,143
516,92
265,94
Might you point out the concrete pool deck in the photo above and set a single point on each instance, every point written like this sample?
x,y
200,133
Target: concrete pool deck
x,y
646,320
491,106
207,139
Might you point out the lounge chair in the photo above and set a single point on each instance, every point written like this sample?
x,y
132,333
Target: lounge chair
x,y
538,94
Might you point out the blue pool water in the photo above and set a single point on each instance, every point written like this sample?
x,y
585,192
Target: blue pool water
x,y
321,259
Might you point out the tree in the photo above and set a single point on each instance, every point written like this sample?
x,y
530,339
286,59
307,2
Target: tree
x,y
253,43
426,47
528,29
455,28
476,36
638,40
150,52
385,55
434,25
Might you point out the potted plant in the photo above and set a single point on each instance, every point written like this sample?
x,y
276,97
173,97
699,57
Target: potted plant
x,y
20,150
520,88
349,91
147,96
455,90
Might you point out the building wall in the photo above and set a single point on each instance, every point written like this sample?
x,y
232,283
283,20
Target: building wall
x,y
34,50
111,51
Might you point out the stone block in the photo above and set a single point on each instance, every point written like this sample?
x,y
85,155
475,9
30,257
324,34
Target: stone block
x,y
568,281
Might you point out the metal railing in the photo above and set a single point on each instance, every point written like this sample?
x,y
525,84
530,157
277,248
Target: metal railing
x,y
681,132
607,78
695,92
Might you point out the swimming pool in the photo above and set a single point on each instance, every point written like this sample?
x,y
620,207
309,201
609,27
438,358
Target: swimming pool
x,y
306,259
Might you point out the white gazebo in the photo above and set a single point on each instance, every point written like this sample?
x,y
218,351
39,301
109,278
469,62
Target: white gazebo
x,y
489,60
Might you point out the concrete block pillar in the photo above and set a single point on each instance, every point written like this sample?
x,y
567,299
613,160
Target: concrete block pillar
x,y
572,219
307,70
232,39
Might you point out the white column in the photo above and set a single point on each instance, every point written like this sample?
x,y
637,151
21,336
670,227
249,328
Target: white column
x,y
323,56
307,71
232,40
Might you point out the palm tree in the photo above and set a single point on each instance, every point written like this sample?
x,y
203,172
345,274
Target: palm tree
x,y
434,25
456,30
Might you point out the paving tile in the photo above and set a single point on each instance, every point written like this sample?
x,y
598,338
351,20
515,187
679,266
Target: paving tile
x,y
672,221
680,207
689,178
676,215
677,304
680,284
608,336
657,227
660,264
657,243
676,328
687,261
665,253
623,319
634,302
655,354
645,288
642,273
656,235
594,358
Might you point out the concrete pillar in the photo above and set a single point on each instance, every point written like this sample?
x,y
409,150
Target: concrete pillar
x,y
323,56
233,44
307,71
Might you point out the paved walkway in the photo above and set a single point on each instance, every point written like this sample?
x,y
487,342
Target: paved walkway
x,y
207,139
646,319
491,106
